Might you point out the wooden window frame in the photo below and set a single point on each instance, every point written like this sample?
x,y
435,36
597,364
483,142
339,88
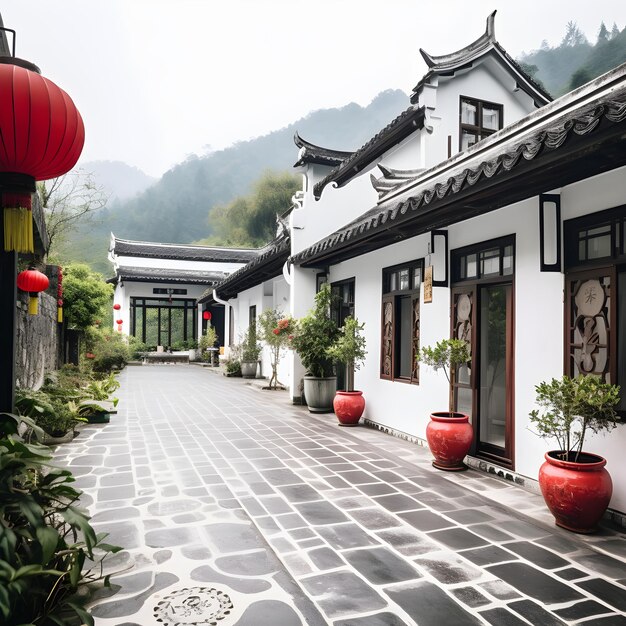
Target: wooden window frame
x,y
479,129
392,298
473,286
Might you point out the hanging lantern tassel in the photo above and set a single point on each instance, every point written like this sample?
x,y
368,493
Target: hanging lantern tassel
x,y
33,281
18,222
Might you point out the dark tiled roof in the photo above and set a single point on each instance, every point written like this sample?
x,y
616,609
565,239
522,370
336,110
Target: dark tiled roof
x,y
125,247
310,153
448,64
552,136
159,275
267,265
407,122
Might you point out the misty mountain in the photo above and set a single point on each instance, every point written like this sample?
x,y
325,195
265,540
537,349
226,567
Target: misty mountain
x,y
120,180
175,209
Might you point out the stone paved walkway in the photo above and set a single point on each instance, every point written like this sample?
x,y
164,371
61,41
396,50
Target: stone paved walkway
x,y
237,508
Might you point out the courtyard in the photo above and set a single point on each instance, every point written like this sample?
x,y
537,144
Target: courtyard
x,y
234,506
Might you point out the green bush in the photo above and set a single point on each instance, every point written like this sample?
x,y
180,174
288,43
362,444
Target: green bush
x,y
50,413
111,349
45,539
233,367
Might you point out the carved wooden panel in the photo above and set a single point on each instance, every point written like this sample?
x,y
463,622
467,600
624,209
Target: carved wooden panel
x,y
589,326
387,339
415,340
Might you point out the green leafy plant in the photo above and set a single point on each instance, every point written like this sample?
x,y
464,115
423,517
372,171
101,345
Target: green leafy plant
x,y
233,367
349,349
446,355
111,349
45,538
277,331
316,334
250,347
571,408
50,413
102,389
85,295
207,341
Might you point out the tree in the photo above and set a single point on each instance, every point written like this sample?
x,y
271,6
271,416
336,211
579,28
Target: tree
x,y
66,201
603,33
580,77
251,220
614,31
276,331
85,295
573,35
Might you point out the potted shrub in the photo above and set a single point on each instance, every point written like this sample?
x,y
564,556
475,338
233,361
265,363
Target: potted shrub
x,y
316,334
277,333
574,483
250,353
207,344
349,349
192,346
449,433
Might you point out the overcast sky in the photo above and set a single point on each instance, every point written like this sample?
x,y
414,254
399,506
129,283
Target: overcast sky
x,y
158,80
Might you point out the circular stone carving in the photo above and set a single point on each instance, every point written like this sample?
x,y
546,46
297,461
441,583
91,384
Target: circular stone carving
x,y
590,298
193,606
463,307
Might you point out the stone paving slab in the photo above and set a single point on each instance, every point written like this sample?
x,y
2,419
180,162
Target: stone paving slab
x,y
237,508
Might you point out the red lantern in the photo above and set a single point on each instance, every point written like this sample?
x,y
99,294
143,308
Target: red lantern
x,y
206,315
117,307
42,137
33,281
119,327
119,322
90,355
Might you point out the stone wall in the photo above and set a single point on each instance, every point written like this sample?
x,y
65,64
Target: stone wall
x,y
37,346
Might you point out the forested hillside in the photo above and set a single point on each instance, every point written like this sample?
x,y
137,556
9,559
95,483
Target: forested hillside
x,y
575,61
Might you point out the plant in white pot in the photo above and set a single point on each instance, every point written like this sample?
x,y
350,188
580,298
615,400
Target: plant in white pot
x,y
575,484
316,334
349,349
449,433
250,352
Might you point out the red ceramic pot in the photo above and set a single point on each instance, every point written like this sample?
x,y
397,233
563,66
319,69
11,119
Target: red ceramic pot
x,y
577,494
349,406
449,440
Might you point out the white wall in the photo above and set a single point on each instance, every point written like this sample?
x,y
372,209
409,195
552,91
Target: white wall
x,y
175,264
272,294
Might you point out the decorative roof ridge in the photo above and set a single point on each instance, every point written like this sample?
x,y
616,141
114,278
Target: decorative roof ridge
x,y
464,57
407,122
179,245
313,151
276,247
446,62
525,125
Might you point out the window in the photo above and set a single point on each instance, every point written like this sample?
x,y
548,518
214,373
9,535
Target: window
x,y
252,319
490,262
595,297
478,120
176,292
400,322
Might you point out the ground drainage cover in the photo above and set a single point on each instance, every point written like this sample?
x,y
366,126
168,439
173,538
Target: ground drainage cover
x,y
194,606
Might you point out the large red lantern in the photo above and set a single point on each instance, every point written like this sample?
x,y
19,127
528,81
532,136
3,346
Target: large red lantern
x,y
206,315
117,307
119,322
42,137
33,281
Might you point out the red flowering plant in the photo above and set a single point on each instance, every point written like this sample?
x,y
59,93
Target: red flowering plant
x,y
277,331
